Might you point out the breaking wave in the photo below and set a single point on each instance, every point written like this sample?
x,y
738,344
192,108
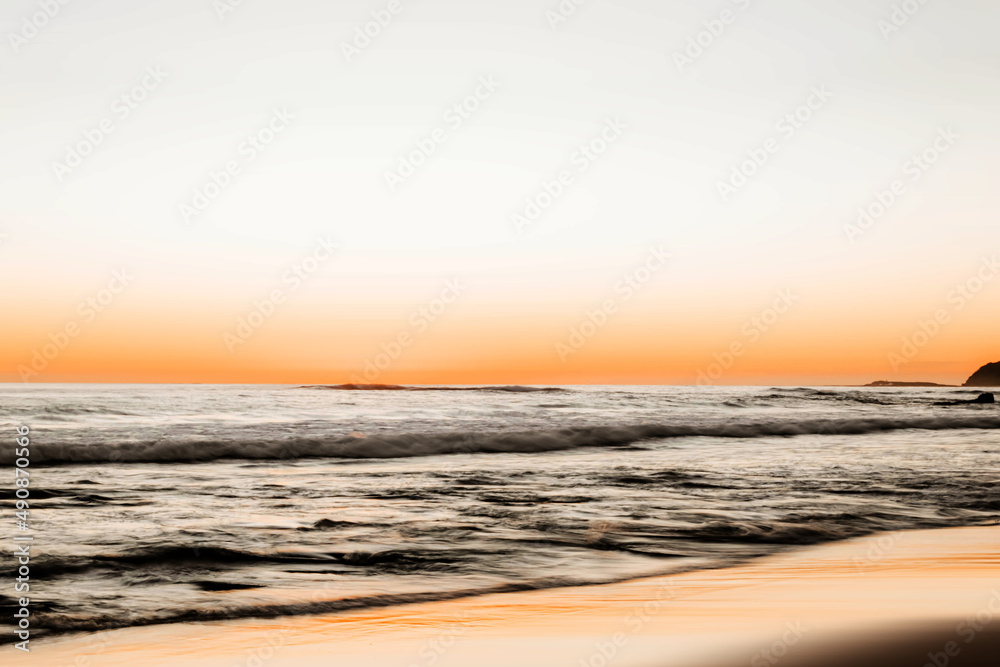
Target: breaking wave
x,y
191,450
111,621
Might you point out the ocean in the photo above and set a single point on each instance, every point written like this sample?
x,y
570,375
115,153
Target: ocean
x,y
165,503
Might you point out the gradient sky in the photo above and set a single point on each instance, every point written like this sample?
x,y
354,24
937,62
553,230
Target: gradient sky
x,y
523,290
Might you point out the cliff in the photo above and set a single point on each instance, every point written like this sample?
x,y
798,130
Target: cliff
x,y
987,376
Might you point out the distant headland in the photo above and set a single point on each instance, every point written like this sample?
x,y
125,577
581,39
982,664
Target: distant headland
x,y
888,383
987,376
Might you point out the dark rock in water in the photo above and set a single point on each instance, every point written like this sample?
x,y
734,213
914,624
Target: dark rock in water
x,y
987,376
982,398
223,586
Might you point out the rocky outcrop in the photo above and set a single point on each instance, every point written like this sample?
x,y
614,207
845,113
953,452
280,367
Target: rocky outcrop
x,y
981,399
987,376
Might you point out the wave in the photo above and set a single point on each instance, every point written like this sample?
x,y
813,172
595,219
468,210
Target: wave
x,y
516,389
464,442
760,539
163,556
54,412
183,558
64,623
842,396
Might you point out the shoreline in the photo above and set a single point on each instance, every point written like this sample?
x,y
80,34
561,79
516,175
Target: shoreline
x,y
889,597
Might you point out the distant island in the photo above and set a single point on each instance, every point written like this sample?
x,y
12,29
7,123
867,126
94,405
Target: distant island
x,y
888,383
987,376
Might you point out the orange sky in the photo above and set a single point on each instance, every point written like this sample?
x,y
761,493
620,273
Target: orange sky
x,y
647,341
618,159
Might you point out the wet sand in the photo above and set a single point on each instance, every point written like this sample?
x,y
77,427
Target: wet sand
x,y
897,599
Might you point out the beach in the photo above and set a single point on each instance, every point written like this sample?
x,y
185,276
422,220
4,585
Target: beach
x,y
902,598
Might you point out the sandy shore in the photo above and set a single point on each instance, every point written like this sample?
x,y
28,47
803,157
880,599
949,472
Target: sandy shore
x,y
899,599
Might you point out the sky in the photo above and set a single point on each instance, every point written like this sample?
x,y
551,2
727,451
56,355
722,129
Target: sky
x,y
527,192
